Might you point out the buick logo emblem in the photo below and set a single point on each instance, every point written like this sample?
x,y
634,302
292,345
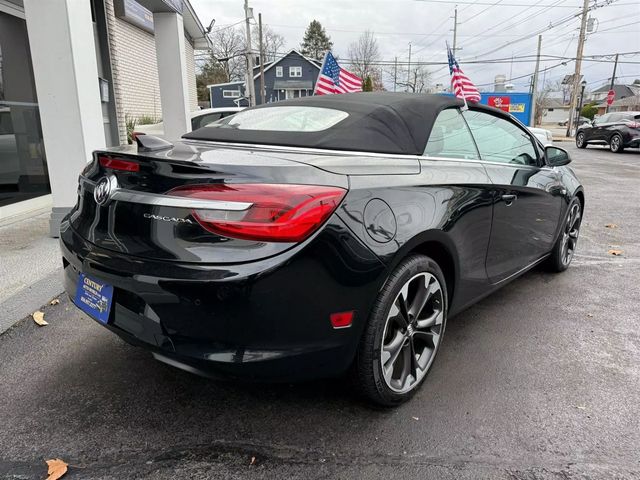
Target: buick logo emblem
x,y
104,189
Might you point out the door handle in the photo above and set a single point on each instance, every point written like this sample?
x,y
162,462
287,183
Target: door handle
x,y
509,199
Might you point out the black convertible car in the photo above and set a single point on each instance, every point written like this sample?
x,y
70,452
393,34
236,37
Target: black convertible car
x,y
317,236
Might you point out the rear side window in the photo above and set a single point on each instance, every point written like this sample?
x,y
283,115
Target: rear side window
x,y
203,120
615,117
450,137
499,140
284,119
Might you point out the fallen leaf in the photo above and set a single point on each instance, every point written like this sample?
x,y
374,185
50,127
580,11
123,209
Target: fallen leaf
x,y
57,468
55,301
615,252
253,461
590,315
611,225
38,317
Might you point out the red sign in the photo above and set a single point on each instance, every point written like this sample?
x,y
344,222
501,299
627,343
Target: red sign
x,y
500,102
611,97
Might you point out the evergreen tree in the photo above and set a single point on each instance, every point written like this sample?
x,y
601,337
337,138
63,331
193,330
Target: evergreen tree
x,y
316,42
367,85
210,73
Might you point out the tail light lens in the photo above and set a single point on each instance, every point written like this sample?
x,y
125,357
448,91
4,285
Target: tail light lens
x,y
278,213
633,124
119,164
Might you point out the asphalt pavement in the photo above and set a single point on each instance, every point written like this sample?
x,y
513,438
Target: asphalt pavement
x,y
539,381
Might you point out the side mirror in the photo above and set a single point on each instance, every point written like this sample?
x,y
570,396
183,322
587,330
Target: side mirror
x,y
556,156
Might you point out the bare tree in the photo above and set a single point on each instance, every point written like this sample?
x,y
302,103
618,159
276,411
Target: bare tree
x,y
418,78
364,54
228,49
273,43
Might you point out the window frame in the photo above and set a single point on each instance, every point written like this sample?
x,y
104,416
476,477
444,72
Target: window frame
x,y
279,71
235,93
539,160
298,68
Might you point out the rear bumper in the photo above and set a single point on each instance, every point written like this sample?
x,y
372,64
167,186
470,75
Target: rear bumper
x,y
265,320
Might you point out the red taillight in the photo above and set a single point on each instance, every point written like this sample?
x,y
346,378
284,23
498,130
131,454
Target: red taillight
x,y
119,164
633,125
135,134
278,213
341,319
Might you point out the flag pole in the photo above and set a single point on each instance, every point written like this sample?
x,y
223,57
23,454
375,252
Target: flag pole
x,y
315,87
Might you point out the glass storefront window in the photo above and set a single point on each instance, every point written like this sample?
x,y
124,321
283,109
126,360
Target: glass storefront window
x,y
23,165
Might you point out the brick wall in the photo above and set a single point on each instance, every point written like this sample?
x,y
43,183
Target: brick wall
x,y
135,71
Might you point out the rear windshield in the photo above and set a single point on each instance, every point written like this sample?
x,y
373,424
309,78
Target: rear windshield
x,y
283,119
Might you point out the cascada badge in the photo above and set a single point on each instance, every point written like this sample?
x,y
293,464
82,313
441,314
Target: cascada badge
x,y
104,189
164,218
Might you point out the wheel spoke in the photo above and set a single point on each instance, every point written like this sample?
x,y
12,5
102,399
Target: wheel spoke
x,y
396,313
391,350
425,291
428,337
434,319
414,361
402,303
406,367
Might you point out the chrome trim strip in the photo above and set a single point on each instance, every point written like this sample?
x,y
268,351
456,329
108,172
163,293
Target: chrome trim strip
x,y
309,150
159,200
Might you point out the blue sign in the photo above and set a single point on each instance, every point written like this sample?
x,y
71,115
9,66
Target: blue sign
x,y
133,12
94,298
516,103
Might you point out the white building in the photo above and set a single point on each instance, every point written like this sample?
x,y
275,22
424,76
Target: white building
x,y
72,72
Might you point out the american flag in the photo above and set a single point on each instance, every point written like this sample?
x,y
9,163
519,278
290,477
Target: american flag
x,y
461,86
335,79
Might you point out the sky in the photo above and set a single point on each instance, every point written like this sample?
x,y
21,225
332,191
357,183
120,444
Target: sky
x,y
494,30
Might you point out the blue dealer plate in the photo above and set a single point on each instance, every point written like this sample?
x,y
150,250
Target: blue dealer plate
x,y
94,297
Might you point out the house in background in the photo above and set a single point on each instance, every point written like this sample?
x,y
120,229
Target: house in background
x,y
291,76
622,91
554,110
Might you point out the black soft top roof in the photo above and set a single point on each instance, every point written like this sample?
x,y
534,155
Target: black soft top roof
x,y
384,122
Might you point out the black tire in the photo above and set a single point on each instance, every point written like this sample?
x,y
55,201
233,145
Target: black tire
x,y
580,142
367,369
565,245
615,144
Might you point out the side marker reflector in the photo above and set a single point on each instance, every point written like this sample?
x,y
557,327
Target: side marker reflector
x,y
341,319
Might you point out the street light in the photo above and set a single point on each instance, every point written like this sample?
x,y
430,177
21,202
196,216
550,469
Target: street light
x,y
583,84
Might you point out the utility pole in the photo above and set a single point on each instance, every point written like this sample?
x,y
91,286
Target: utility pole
x,y
261,60
249,52
455,29
613,79
395,73
534,85
576,75
409,68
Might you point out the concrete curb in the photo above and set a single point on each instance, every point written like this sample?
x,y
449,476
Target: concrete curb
x,y
30,299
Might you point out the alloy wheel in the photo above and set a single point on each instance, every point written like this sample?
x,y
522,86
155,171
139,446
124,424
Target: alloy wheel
x,y
570,234
580,140
615,143
412,332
